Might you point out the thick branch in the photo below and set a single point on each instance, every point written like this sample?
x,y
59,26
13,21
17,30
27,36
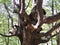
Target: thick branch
x,y
52,29
39,9
52,19
22,6
49,20
40,13
23,15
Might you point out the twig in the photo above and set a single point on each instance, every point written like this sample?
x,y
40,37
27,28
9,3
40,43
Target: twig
x,y
6,35
27,5
55,34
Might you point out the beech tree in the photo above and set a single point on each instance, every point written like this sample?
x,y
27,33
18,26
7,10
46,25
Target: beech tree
x,y
26,31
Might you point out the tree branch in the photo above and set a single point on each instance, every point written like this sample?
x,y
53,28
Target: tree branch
x,y
40,13
41,38
6,35
49,20
52,29
52,19
8,14
18,5
22,6
39,9
55,34
23,15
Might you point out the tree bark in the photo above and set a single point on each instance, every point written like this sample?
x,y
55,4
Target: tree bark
x,y
27,38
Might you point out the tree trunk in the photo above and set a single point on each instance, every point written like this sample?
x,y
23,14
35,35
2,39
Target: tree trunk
x,y
27,38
